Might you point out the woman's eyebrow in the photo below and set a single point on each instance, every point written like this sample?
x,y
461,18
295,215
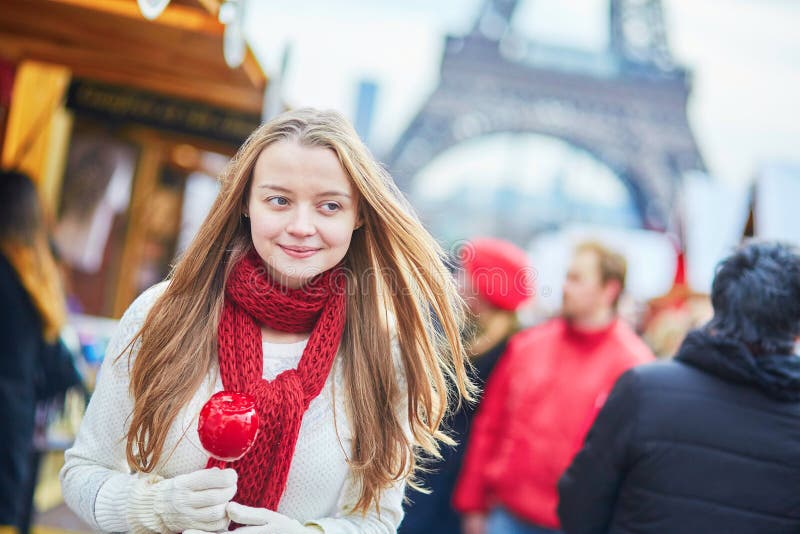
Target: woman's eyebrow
x,y
274,187
331,193
334,194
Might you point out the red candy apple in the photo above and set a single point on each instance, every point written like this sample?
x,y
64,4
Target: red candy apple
x,y
228,425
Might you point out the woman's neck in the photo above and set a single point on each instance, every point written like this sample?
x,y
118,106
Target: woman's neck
x,y
270,335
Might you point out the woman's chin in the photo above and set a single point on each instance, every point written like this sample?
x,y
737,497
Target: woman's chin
x,y
296,278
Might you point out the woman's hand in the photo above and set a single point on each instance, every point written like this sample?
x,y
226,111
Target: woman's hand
x,y
196,500
262,521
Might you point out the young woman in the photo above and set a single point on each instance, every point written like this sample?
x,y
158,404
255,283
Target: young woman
x,y
313,288
34,364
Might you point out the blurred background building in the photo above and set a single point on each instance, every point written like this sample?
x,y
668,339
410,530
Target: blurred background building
x,y
115,116
542,135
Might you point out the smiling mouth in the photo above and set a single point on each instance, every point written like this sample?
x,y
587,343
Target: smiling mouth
x,y
299,252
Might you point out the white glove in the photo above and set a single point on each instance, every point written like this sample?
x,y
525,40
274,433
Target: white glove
x,y
263,521
195,500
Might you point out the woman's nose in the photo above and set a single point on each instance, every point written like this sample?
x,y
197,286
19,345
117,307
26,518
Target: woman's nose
x,y
301,223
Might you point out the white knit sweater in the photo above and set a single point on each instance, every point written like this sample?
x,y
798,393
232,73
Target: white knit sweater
x,y
96,480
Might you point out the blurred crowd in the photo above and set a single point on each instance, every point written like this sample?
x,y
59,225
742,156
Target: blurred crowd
x,y
575,433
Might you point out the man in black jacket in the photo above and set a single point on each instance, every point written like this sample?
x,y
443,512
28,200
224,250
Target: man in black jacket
x,y
709,442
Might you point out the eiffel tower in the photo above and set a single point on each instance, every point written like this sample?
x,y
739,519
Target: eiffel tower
x,y
626,106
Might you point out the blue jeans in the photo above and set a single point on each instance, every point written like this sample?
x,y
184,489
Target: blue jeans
x,y
502,522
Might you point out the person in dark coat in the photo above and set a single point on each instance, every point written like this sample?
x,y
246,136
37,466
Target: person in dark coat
x,y
495,280
34,364
709,442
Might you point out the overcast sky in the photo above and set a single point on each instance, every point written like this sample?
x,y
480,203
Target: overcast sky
x,y
744,55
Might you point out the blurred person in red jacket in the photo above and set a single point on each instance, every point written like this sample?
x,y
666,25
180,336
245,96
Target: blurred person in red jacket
x,y
542,398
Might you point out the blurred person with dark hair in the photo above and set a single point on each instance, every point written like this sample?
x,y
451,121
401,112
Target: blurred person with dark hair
x,y
542,398
34,364
495,280
710,441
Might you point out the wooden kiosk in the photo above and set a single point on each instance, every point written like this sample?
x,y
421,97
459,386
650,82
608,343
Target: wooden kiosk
x,y
113,115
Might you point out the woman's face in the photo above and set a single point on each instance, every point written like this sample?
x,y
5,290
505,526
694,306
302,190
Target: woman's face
x,y
303,210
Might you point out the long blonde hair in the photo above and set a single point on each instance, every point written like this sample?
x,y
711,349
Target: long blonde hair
x,y
395,269
24,243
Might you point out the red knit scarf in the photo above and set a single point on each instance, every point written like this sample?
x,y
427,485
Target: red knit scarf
x,y
253,299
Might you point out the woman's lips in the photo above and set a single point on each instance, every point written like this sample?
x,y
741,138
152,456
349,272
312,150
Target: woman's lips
x,y
299,252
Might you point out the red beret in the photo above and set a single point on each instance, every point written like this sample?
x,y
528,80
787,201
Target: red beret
x,y
499,270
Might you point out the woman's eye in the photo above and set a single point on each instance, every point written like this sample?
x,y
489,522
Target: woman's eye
x,y
330,206
278,201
